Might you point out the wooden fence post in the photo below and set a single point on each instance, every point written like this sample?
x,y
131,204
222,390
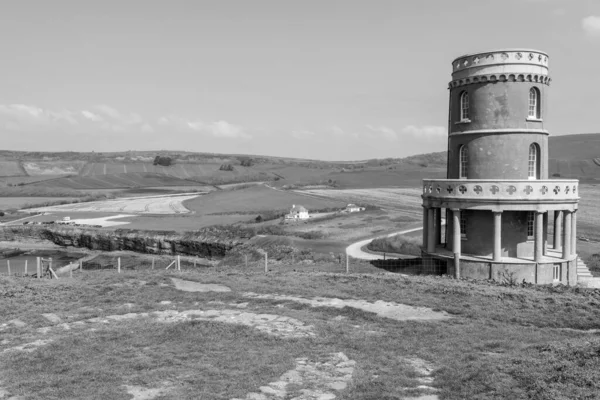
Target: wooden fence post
x,y
119,265
39,268
266,263
8,264
347,263
25,273
178,263
152,262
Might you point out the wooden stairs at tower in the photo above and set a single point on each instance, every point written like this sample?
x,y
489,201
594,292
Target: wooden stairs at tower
x,y
584,276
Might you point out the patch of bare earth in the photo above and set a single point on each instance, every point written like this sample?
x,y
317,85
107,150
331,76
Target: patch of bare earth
x,y
317,379
398,312
191,286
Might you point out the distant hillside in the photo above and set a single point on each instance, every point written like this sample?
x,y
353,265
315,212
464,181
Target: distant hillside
x,y
575,156
570,156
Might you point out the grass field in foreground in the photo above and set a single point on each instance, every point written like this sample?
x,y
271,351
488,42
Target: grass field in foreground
x,y
501,342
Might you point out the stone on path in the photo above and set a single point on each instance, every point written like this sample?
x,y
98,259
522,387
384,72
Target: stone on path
x,y
191,286
142,393
55,319
398,312
424,371
17,322
320,379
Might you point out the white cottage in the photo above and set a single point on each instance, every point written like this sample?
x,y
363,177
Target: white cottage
x,y
297,212
353,208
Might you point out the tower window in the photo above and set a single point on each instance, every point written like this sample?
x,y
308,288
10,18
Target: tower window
x,y
533,170
463,223
530,224
464,106
463,162
534,103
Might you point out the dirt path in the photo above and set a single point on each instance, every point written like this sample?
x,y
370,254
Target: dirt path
x,y
355,249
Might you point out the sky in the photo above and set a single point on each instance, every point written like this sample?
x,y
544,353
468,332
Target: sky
x,y
319,79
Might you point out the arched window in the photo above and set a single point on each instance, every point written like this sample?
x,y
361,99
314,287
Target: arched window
x,y
464,106
463,162
533,165
534,103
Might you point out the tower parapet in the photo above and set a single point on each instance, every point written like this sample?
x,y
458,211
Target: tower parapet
x,y
501,65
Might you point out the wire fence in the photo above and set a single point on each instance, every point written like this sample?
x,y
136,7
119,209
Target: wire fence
x,y
253,262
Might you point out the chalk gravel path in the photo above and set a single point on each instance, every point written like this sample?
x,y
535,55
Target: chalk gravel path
x,y
355,249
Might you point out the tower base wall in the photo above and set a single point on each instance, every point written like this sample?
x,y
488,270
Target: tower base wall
x,y
510,273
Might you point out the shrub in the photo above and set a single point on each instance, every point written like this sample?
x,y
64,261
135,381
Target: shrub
x,y
164,161
226,167
246,162
311,235
397,244
593,263
2,214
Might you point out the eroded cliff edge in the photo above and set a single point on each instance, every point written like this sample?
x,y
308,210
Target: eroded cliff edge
x,y
211,242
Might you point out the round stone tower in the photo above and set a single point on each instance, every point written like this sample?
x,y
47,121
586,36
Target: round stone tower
x,y
497,196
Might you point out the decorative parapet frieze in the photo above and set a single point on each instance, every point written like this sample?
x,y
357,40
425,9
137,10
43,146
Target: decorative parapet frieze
x,y
501,190
493,78
531,57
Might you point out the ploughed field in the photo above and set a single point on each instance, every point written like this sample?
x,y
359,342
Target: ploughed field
x,y
236,334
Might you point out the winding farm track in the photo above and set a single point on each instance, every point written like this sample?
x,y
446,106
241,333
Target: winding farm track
x,y
355,249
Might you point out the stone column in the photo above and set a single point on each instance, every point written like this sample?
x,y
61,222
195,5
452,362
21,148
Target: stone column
x,y
545,234
497,235
430,230
425,223
438,226
456,240
449,229
566,250
574,232
538,233
557,229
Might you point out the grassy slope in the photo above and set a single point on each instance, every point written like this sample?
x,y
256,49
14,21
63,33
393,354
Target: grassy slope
x,y
502,343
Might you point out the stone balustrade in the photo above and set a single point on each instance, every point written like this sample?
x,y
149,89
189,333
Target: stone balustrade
x,y
498,189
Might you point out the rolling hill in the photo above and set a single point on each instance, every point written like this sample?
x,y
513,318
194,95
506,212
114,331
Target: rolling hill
x,y
570,156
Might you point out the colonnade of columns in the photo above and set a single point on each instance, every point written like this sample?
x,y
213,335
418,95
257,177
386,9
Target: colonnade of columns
x,y
563,220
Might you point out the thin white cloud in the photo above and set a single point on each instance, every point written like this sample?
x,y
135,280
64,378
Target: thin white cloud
x,y
108,111
559,11
219,129
429,132
591,25
147,128
337,131
384,131
227,130
302,134
91,116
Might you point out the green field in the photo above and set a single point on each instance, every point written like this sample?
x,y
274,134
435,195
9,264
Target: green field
x,y
256,199
21,202
498,343
11,168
